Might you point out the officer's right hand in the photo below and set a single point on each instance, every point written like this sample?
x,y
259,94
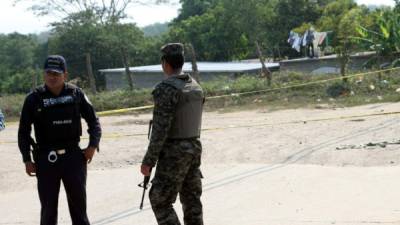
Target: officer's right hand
x,y
30,169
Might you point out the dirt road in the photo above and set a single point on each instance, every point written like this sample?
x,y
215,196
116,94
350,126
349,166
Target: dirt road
x,y
283,167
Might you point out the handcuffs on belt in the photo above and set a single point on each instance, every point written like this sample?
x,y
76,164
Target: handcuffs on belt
x,y
53,155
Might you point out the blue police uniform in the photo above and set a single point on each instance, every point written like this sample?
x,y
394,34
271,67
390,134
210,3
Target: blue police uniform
x,y
58,156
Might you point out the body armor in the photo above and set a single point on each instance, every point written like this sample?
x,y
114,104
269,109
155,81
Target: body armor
x,y
187,119
57,119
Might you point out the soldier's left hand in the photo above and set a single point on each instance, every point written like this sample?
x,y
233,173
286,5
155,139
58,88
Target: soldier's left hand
x,y
89,152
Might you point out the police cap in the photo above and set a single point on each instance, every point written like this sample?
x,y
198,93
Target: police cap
x,y
55,63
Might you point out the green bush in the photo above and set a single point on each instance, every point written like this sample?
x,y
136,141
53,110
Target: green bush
x,y
19,83
221,85
248,83
338,89
118,99
11,105
291,77
358,90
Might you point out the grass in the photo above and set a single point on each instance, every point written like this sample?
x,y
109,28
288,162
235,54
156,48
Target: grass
x,y
356,91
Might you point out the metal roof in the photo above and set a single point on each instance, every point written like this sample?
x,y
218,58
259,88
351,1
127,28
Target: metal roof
x,y
204,67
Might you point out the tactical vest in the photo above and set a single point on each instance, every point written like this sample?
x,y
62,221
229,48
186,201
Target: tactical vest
x,y
187,119
57,120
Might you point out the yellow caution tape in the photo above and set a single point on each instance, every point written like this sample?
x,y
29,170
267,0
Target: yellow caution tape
x,y
125,110
115,136
118,111
301,85
111,112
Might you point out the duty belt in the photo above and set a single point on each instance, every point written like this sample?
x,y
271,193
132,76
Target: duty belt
x,y
53,155
56,151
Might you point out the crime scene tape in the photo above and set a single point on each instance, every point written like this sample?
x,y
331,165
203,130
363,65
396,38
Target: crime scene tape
x,y
117,111
117,136
111,112
303,84
125,110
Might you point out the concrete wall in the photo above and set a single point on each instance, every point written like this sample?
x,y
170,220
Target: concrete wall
x,y
117,80
308,65
326,64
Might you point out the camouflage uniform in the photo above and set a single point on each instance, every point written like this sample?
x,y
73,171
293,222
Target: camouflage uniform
x,y
178,163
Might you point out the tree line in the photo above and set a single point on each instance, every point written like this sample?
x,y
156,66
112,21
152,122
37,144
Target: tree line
x,y
93,35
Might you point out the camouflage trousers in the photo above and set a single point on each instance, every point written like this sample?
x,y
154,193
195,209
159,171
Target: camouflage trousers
x,y
178,171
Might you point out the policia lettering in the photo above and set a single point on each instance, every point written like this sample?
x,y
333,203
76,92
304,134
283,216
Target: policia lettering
x,y
55,110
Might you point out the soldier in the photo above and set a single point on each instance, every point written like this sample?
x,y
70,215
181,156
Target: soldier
x,y
2,122
55,110
174,143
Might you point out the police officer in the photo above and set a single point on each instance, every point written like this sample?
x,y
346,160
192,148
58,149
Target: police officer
x,y
2,122
174,143
55,110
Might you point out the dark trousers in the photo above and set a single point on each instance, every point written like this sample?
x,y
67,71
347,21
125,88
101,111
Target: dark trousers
x,y
71,169
178,172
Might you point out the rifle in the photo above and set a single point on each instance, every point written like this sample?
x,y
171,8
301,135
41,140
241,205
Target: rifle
x,y
144,185
146,179
150,129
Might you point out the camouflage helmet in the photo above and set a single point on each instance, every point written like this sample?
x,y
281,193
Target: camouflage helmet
x,y
172,49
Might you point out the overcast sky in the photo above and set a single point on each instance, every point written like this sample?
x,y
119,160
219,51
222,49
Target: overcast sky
x,y
19,19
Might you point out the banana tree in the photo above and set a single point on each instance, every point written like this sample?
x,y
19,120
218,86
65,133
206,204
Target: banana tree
x,y
385,40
